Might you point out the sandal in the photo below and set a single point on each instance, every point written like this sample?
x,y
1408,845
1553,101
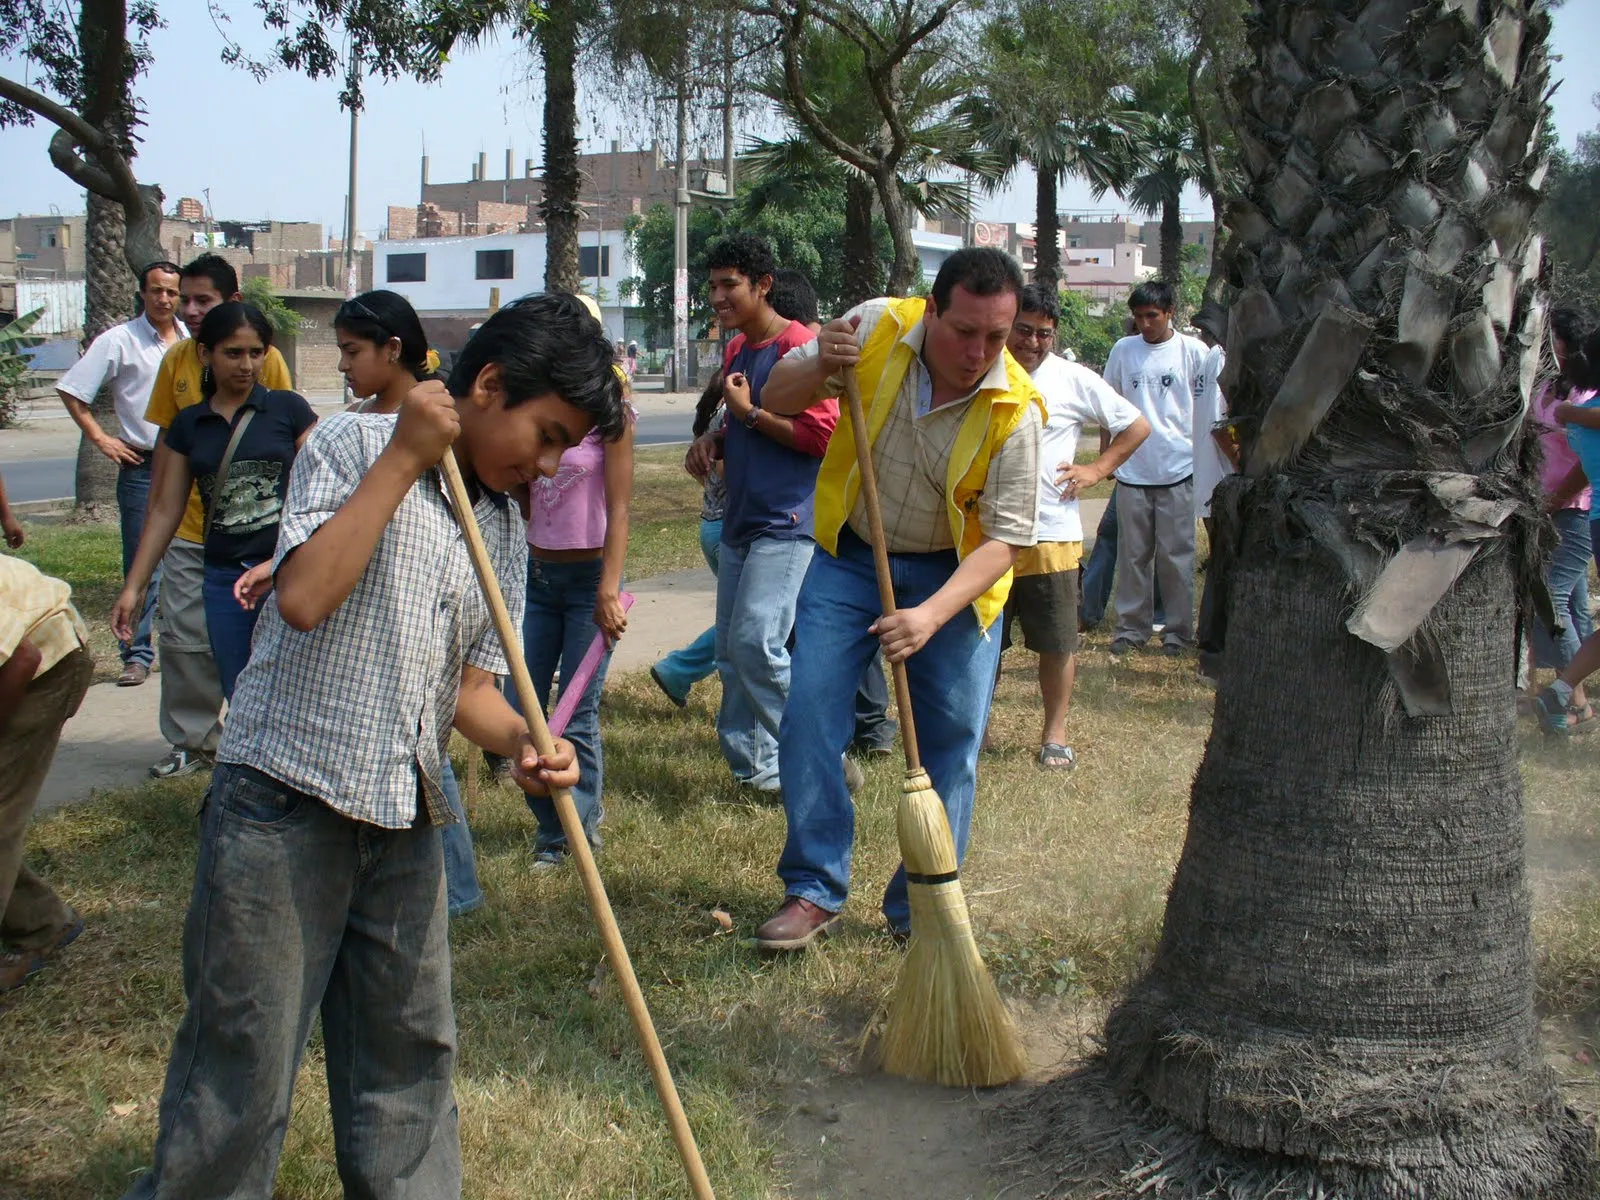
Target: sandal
x,y
1056,757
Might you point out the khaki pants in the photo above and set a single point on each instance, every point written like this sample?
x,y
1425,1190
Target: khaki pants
x,y
33,914
1155,547
191,688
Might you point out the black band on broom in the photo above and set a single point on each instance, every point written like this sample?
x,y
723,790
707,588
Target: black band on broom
x,y
947,1023
577,839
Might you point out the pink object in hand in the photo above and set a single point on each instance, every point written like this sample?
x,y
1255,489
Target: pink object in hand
x,y
571,694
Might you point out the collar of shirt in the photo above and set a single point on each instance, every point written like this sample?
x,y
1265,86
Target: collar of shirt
x,y
994,377
257,399
145,328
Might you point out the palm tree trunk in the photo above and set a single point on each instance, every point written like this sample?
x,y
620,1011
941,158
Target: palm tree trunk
x,y
1172,240
109,293
1047,231
1342,1000
558,202
906,271
862,278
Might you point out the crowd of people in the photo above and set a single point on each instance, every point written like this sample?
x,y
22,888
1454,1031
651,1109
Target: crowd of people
x,y
320,629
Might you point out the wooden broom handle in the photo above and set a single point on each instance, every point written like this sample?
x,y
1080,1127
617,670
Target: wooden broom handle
x,y
577,838
880,560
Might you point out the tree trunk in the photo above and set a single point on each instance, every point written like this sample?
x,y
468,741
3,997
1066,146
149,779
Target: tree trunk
x,y
109,292
862,279
1217,275
906,271
1047,231
1172,240
1342,1000
558,203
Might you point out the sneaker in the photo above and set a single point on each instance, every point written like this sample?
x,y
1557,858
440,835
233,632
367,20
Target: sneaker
x,y
549,859
680,701
180,762
133,674
1171,649
796,925
854,777
1124,646
1551,709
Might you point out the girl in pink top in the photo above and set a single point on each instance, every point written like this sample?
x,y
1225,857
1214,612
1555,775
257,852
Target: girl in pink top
x,y
577,540
1567,572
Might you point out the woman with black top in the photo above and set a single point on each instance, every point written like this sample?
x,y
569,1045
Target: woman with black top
x,y
238,443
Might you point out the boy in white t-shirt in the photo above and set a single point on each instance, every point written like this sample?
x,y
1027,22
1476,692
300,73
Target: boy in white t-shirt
x,y
1160,372
1044,596
1215,458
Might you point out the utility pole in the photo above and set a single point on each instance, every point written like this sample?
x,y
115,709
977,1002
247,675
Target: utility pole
x,y
352,278
727,104
680,241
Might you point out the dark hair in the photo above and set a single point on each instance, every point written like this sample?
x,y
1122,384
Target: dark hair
x,y
1583,362
982,270
793,296
707,404
1153,291
378,316
1036,298
546,343
746,253
171,268
218,270
221,323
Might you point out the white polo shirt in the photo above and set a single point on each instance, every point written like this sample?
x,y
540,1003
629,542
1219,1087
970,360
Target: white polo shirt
x,y
1162,380
1073,396
1211,466
128,356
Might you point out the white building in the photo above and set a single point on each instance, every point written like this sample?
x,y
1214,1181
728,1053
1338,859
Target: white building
x,y
933,249
466,276
1104,273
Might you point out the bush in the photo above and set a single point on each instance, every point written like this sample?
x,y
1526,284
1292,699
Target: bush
x,y
15,373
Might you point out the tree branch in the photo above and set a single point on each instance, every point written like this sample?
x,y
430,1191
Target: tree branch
x,y
109,20
793,29
83,133
65,158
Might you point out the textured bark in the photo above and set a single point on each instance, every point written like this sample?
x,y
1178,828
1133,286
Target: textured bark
x,y
1342,1000
558,203
905,273
109,293
1171,241
1047,232
862,279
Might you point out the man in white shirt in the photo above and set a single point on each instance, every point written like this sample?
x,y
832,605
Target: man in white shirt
x,y
127,357
1160,372
1044,595
1216,456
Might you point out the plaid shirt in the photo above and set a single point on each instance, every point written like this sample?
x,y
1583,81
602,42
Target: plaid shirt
x,y
358,711
911,456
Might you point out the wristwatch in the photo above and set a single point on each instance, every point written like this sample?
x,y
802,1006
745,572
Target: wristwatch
x,y
750,421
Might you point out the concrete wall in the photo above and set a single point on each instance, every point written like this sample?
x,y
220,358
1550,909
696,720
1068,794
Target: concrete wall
x,y
452,284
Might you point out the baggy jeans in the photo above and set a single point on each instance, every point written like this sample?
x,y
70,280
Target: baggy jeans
x,y
133,496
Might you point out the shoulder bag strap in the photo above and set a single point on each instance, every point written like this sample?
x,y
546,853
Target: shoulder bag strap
x,y
222,469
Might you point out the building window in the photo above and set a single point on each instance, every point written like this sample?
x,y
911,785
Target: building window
x,y
408,268
1074,242
494,264
594,261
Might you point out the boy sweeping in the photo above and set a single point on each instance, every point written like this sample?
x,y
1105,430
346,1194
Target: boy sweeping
x,y
320,880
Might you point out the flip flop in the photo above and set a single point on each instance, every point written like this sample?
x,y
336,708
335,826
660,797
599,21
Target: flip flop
x,y
1055,757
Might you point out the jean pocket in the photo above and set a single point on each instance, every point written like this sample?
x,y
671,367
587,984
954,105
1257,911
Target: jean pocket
x,y
258,801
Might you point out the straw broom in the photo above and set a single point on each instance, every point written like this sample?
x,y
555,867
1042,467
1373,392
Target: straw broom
x,y
947,1024
577,840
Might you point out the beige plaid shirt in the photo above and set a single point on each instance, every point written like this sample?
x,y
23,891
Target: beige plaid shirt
x,y
911,457
37,608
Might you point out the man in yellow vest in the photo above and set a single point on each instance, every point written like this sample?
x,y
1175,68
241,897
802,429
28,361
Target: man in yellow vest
x,y
954,424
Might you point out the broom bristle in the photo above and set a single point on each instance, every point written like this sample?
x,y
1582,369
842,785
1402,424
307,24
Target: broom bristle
x,y
947,1023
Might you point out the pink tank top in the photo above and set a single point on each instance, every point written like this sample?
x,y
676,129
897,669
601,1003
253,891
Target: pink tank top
x,y
568,512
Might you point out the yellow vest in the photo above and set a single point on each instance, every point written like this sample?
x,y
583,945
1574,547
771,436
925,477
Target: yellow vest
x,y
991,417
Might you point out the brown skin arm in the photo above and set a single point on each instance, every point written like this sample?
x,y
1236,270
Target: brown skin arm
x,y
1577,414
905,632
736,395
796,384
9,525
16,673
114,448
169,496
1075,477
485,719
608,611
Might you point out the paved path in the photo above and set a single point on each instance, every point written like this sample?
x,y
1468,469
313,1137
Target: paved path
x,y
114,738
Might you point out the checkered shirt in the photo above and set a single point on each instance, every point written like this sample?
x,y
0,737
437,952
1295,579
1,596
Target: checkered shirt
x,y
358,711
911,457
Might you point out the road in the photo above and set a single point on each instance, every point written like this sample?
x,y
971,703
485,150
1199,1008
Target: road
x,y
52,478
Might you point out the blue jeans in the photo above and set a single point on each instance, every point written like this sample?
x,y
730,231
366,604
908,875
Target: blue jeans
x,y
758,586
133,494
682,669
1100,572
951,678
557,630
229,624
462,891
1566,576
297,908
875,729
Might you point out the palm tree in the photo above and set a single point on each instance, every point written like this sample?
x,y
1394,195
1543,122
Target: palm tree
x,y
1175,157
1342,1001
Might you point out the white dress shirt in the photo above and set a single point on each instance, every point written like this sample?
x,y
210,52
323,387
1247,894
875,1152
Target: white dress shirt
x,y
128,356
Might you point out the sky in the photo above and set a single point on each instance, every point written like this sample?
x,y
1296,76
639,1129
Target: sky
x,y
279,149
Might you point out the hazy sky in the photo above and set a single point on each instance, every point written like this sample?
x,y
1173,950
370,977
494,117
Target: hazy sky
x,y
279,149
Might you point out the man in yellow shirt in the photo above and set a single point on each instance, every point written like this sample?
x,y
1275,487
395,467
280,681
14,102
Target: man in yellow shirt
x,y
45,669
191,690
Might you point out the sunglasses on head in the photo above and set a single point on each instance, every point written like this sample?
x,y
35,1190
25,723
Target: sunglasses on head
x,y
355,308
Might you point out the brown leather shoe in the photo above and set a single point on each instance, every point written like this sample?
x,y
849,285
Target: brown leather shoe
x,y
795,926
